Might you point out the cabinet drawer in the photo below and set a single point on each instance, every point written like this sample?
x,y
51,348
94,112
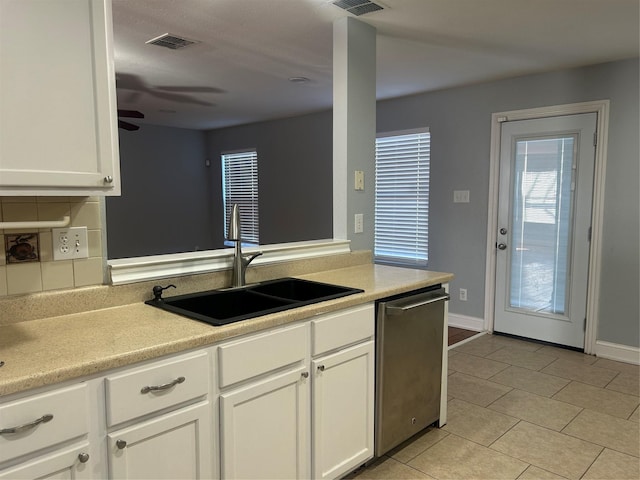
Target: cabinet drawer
x,y
261,353
43,420
147,389
342,328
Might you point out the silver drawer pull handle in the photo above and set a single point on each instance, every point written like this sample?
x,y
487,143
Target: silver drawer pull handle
x,y
121,444
83,457
166,386
27,426
392,310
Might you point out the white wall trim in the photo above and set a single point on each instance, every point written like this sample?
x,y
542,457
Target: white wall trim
x,y
139,269
620,353
468,323
601,108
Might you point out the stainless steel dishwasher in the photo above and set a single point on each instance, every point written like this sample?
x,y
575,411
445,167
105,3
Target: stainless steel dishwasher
x,y
409,343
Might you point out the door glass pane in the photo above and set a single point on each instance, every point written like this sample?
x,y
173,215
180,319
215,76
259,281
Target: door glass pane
x,y
541,224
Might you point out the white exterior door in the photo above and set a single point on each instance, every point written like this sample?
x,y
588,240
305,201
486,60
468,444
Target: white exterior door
x,y
264,428
544,220
175,445
343,410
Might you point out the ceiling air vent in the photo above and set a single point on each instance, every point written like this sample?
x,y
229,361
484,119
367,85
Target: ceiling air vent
x,y
358,7
171,41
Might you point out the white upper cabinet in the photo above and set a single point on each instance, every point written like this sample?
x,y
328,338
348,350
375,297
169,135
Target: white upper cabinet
x,y
58,113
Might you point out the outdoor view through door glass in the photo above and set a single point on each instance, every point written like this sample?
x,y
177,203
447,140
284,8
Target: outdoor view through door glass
x,y
541,222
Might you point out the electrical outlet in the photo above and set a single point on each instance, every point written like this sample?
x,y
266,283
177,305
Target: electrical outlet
x,y
359,180
463,294
70,243
358,223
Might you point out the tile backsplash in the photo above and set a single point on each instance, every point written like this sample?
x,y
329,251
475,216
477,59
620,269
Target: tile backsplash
x,y
44,275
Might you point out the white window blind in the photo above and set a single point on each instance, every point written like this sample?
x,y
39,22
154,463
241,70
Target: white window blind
x,y
240,185
402,198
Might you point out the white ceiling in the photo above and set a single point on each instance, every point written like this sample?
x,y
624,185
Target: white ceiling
x,y
248,50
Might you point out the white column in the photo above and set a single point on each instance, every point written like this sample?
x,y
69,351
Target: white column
x,y
354,128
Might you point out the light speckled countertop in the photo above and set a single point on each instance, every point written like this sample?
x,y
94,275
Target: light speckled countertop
x,y
51,350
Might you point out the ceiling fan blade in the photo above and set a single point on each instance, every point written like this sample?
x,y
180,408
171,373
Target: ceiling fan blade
x,y
127,126
130,113
191,89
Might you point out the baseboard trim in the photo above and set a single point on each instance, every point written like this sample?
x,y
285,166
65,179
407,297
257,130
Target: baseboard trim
x,y
615,351
468,323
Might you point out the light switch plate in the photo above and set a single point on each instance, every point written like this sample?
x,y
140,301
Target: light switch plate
x,y
359,180
70,243
461,196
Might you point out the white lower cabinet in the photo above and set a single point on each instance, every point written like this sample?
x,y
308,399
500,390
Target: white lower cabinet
x,y
343,396
45,435
264,428
65,463
159,419
342,348
170,446
290,411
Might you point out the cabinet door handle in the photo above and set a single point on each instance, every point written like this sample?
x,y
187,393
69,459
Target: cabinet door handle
x,y
321,368
27,426
166,386
108,179
83,457
305,374
121,444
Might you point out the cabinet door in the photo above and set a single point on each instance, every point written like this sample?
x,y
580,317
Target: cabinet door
x,y
69,463
343,410
175,445
264,428
58,115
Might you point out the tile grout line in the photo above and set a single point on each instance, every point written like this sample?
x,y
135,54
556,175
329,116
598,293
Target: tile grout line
x,y
594,461
553,431
422,451
601,446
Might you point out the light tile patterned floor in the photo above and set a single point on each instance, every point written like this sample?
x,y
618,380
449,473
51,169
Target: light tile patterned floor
x,y
521,410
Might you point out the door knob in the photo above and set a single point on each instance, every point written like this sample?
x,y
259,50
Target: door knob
x,y
502,246
83,457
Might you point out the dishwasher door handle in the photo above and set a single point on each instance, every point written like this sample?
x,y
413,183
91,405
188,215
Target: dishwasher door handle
x,y
396,310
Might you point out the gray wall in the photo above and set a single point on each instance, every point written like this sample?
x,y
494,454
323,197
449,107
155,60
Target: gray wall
x,y
294,174
166,202
460,123
295,168
171,202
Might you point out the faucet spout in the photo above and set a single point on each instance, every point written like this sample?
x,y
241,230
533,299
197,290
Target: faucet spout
x,y
240,261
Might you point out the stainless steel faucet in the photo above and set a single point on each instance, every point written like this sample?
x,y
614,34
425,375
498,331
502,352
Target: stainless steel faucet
x,y
240,261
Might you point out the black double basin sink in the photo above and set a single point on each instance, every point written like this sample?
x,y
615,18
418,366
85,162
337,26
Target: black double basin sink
x,y
222,307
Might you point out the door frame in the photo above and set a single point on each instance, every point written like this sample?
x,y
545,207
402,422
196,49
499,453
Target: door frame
x,y
601,108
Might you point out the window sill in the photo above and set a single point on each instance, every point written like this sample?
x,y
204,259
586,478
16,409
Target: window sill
x,y
139,269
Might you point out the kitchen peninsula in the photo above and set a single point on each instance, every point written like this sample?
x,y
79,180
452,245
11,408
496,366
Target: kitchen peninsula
x,y
101,348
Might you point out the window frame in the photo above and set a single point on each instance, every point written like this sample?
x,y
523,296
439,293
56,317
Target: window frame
x,y
387,250
247,200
